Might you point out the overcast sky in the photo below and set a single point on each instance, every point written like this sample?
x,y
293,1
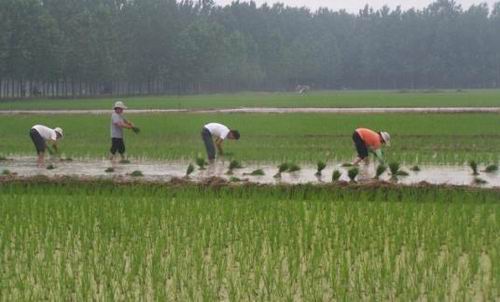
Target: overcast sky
x,y
353,6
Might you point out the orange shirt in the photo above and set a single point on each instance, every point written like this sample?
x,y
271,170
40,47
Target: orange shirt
x,y
370,138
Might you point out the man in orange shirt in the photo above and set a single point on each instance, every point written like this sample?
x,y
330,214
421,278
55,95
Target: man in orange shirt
x,y
367,140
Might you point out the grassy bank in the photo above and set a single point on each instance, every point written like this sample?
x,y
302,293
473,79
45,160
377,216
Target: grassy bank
x,y
424,138
101,241
410,98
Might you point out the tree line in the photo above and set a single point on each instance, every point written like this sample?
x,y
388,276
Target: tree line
x,y
72,48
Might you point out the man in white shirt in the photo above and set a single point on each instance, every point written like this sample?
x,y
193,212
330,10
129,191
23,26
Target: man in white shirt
x,y
41,135
118,122
217,132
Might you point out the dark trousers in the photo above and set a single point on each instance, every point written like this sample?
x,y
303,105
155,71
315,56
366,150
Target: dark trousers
x,y
38,141
206,136
360,145
117,144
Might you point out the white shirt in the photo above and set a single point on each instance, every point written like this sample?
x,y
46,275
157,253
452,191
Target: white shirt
x,y
45,132
218,130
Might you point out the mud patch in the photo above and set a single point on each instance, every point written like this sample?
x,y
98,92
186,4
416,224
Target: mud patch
x,y
215,174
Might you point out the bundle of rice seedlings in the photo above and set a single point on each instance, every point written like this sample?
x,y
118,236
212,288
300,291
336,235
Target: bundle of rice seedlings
x,y
491,168
189,169
281,168
293,168
200,161
415,168
258,172
51,167
479,181
6,172
336,175
110,170
124,161
352,173
380,170
473,166
394,167
320,167
136,173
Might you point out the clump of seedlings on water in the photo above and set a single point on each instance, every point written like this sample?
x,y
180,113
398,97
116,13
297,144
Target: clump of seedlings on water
x,y
320,167
258,172
380,170
110,170
136,173
281,169
346,165
473,166
3,158
395,171
124,161
234,164
6,172
293,168
51,167
336,175
479,181
200,161
189,170
415,168
352,173
491,168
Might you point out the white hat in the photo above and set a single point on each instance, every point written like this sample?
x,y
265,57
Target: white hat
x,y
59,130
119,104
386,137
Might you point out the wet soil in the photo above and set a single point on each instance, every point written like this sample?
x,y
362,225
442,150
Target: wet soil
x,y
216,174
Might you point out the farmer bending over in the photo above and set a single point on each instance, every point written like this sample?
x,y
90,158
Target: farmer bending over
x,y
118,122
367,140
217,132
42,136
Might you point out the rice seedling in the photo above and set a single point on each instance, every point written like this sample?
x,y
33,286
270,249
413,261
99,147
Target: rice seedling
x,y
124,161
474,167
200,161
282,168
293,168
51,167
394,168
380,170
415,168
258,172
479,181
6,172
346,165
109,170
352,173
320,167
491,168
336,175
234,164
136,173
402,173
3,158
234,179
189,169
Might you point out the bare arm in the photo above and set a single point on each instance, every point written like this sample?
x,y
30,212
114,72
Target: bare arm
x,y
218,144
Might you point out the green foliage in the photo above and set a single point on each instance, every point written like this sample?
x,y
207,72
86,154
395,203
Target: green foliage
x,y
352,173
380,170
234,164
320,167
258,172
491,168
189,169
6,172
474,167
336,175
394,168
136,173
109,170
200,161
415,169
171,238
136,130
293,168
124,161
51,167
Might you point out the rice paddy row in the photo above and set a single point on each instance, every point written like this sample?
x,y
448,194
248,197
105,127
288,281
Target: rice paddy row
x,y
103,241
406,98
298,137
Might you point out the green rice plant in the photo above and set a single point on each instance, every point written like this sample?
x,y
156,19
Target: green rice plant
x,y
51,167
415,168
473,166
3,158
124,161
394,168
283,167
6,172
336,175
402,173
234,179
293,168
136,173
380,170
258,172
234,164
491,168
200,161
109,170
352,173
189,169
320,167
346,165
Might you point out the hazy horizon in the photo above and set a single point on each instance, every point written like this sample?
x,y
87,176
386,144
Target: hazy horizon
x,y
353,6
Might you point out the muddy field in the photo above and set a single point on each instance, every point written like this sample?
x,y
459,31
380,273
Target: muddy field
x,y
168,170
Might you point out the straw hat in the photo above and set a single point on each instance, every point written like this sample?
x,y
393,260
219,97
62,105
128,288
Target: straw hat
x,y
119,104
386,137
59,130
